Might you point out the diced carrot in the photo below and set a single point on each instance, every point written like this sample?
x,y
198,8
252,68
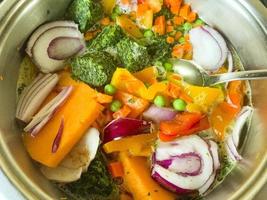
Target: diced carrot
x,y
104,118
169,28
188,51
181,124
192,17
141,9
177,20
169,22
155,5
105,21
160,25
178,51
137,105
173,90
236,93
90,35
167,3
187,38
170,40
185,97
178,35
125,2
185,11
175,6
116,169
123,112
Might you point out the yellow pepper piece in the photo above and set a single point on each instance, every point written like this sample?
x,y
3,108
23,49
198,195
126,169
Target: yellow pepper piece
x,y
125,81
129,26
147,75
138,145
205,97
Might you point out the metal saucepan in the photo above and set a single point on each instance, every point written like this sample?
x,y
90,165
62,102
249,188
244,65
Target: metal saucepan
x,y
244,22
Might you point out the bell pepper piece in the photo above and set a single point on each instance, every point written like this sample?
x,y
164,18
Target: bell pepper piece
x,y
147,75
116,169
129,26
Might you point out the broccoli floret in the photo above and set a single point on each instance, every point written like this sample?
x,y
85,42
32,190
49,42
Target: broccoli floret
x,y
85,13
94,68
95,184
109,37
133,55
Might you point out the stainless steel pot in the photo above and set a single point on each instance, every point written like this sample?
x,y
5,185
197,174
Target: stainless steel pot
x,y
243,22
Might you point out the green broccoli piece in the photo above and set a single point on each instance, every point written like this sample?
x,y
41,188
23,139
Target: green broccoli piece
x,y
109,37
133,55
95,184
94,68
85,12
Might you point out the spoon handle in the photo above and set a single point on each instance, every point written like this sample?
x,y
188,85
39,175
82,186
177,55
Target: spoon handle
x,y
233,76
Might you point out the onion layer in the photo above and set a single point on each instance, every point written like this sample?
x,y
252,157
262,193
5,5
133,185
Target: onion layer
x,y
158,114
209,47
123,127
183,165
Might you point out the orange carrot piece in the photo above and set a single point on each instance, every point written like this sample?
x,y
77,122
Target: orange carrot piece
x,y
116,169
175,6
192,17
141,9
169,28
178,35
123,112
105,21
169,22
137,105
185,97
173,90
160,25
170,40
177,20
185,11
178,51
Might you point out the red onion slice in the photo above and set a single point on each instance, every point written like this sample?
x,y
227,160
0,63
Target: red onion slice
x,y
44,28
62,48
40,48
123,127
34,95
157,114
209,48
47,112
58,137
232,148
191,145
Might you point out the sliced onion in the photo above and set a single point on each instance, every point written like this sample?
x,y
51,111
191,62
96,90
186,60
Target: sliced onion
x,y
58,137
209,48
123,127
229,153
62,48
230,62
216,165
47,112
40,49
34,95
232,148
44,28
157,114
241,119
188,145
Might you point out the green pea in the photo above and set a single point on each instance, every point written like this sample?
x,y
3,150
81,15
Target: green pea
x,y
187,27
168,66
148,33
160,101
181,40
179,105
115,105
110,89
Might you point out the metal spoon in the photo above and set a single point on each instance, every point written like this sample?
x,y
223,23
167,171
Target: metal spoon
x,y
195,75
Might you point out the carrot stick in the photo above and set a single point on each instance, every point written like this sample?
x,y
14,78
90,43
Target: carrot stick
x,y
185,11
175,6
116,169
160,25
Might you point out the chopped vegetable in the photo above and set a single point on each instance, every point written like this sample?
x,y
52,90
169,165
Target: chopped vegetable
x,y
95,68
236,93
148,75
85,13
135,104
148,33
142,186
75,124
160,101
115,105
110,89
124,127
108,5
109,37
160,25
129,26
138,145
116,169
185,11
96,183
134,56
179,105
122,113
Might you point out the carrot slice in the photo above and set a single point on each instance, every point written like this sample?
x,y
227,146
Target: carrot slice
x,y
177,20
178,51
175,6
170,40
116,169
160,25
192,17
185,11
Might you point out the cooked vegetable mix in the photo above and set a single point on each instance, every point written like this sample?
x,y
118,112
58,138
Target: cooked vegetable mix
x,y
106,114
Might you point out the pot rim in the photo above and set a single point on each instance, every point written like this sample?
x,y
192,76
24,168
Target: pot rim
x,y
10,10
